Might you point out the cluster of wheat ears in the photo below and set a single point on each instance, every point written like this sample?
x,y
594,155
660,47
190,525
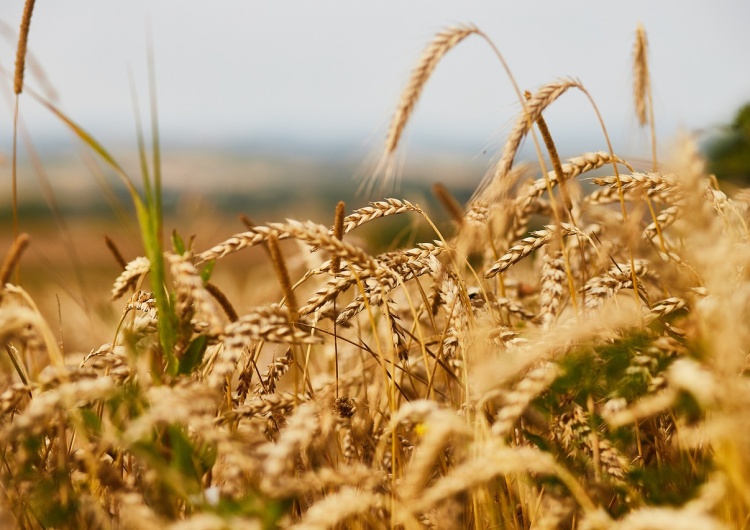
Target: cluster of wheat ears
x,y
574,355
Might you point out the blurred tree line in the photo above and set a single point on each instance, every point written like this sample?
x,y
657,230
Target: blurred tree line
x,y
728,150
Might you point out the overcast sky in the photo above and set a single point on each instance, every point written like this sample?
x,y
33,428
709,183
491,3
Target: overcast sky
x,y
327,72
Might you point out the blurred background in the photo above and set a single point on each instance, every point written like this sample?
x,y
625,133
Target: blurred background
x,y
280,109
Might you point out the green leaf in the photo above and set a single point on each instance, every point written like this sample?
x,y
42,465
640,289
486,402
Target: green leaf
x,y
207,270
178,244
182,453
91,420
193,355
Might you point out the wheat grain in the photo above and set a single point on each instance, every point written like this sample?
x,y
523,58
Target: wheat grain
x,y
376,210
656,182
276,370
664,220
529,244
515,402
601,288
495,460
133,272
553,287
37,417
336,508
192,300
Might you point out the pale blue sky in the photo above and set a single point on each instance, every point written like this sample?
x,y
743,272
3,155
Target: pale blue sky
x,y
326,72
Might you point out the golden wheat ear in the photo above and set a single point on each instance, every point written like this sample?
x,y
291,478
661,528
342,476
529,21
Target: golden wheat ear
x,y
642,91
14,255
640,75
443,42
23,39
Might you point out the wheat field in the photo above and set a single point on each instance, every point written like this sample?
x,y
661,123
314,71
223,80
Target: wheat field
x,y
573,355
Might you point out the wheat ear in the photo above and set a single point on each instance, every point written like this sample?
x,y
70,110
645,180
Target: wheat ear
x,y
23,39
531,113
14,254
112,246
338,233
640,75
448,202
283,275
441,44
526,246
